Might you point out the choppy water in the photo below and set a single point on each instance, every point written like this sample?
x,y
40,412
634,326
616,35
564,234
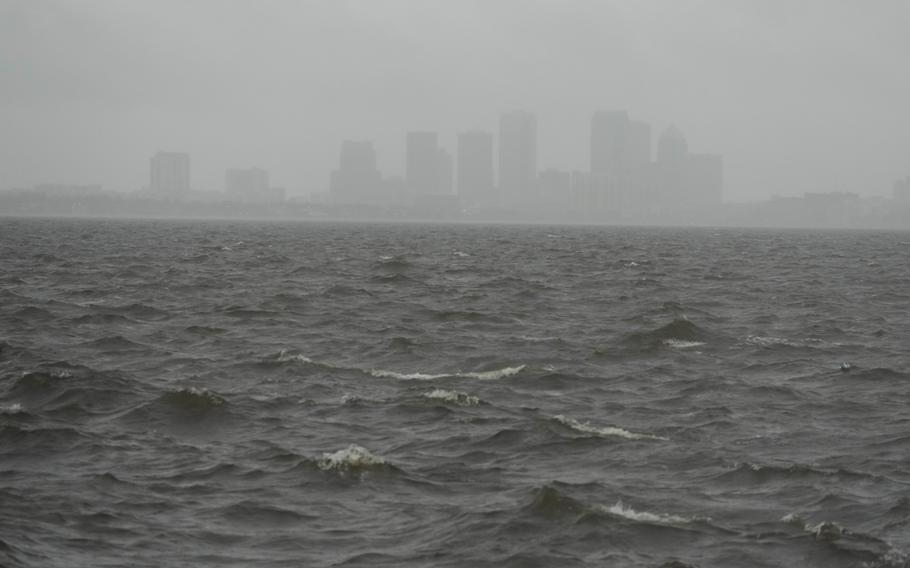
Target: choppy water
x,y
214,394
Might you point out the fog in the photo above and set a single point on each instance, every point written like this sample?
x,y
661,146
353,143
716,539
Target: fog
x,y
796,97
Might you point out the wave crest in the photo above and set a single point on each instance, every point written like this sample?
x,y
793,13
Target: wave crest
x,y
454,397
353,457
192,398
618,509
588,428
481,375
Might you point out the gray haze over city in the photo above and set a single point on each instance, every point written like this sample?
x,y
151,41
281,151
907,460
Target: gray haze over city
x,y
788,99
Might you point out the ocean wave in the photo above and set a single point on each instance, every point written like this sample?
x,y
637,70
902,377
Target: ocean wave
x,y
754,473
454,397
285,356
481,375
352,458
588,428
800,343
193,399
618,509
550,502
872,551
682,343
14,408
115,344
678,332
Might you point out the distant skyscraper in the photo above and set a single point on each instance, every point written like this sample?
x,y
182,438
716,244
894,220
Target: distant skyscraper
x,y
705,180
609,133
672,147
422,163
357,179
475,168
444,172
638,145
619,146
689,186
170,173
517,158
248,185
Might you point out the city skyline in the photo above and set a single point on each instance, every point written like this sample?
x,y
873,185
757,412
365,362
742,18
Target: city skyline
x,y
797,98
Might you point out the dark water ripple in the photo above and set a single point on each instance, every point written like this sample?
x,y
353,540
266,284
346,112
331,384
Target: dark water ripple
x,y
212,394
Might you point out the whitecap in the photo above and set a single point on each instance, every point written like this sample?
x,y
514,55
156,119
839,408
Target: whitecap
x,y
588,428
460,254
353,456
14,408
682,344
286,357
482,375
771,341
620,510
453,397
351,399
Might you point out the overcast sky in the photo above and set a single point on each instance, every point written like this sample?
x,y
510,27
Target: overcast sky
x,y
808,95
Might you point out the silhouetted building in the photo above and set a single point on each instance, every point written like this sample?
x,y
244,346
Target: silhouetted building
x,y
475,168
170,173
672,148
517,158
688,188
357,179
620,156
705,180
902,189
555,192
247,185
422,163
444,173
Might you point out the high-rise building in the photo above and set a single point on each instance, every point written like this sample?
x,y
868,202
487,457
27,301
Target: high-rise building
x,y
609,132
357,179
444,172
619,146
475,168
422,163
517,158
247,185
672,147
638,146
170,173
705,180
901,190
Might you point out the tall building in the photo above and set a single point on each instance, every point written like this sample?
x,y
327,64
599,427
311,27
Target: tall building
x,y
901,190
672,147
517,158
247,185
475,168
689,187
422,163
705,180
619,146
444,173
170,173
357,179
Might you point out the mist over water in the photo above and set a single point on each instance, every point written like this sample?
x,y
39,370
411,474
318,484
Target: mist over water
x,y
238,393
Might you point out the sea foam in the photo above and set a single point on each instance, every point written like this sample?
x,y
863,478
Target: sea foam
x,y
682,344
14,408
453,397
482,375
588,428
620,510
285,357
352,457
